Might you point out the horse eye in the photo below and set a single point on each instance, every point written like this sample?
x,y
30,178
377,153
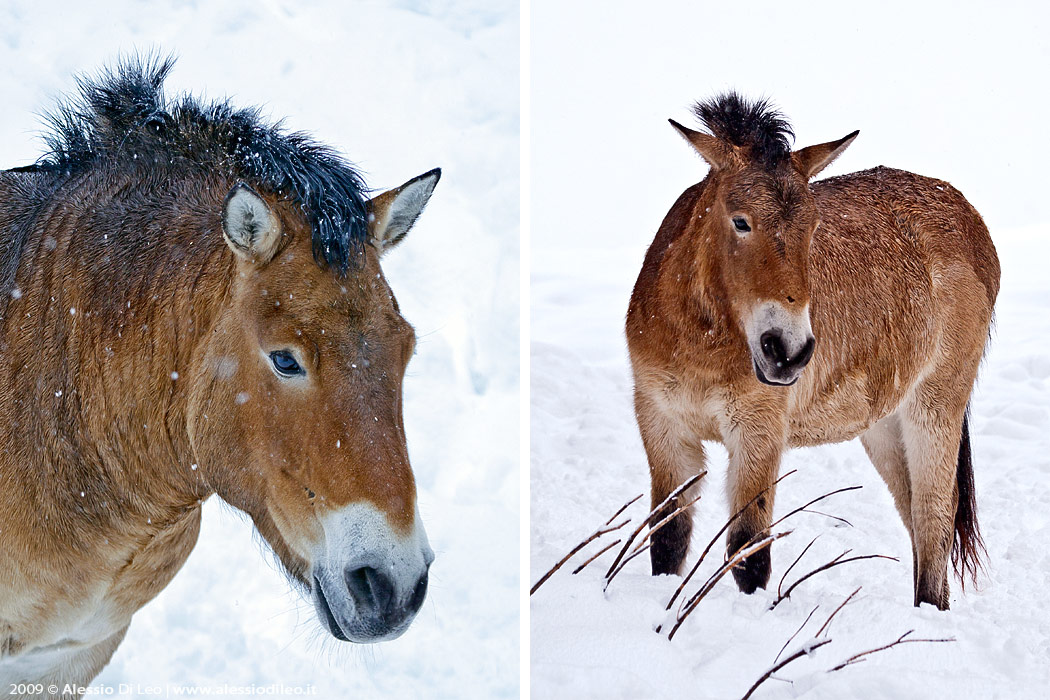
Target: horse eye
x,y
285,363
741,224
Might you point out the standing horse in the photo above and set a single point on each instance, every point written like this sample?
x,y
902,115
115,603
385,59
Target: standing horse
x,y
193,304
880,284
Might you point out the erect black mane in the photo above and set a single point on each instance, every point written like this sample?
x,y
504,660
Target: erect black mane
x,y
755,125
121,119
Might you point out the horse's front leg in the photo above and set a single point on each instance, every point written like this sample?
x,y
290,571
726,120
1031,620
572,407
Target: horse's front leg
x,y
754,460
674,455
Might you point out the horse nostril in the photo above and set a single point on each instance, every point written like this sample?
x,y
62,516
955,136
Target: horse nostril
x,y
419,594
773,348
804,356
370,589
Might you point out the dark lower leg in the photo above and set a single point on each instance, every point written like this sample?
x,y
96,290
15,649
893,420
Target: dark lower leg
x,y
753,572
670,543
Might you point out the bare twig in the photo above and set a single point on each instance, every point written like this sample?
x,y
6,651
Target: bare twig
x,y
605,529
804,651
827,515
624,507
857,658
815,500
718,534
836,612
624,563
594,535
756,544
604,549
641,545
740,555
797,560
648,519
804,623
837,561
671,516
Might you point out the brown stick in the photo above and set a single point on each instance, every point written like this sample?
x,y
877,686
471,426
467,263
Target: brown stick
x,y
624,563
674,494
653,530
595,535
836,612
718,534
640,546
797,560
856,658
804,623
837,561
603,550
804,651
828,515
815,500
740,555
753,545
624,507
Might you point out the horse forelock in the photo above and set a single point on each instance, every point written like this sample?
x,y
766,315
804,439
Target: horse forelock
x,y
755,125
121,120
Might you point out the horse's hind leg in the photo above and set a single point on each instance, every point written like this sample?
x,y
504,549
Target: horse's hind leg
x,y
931,428
884,444
674,456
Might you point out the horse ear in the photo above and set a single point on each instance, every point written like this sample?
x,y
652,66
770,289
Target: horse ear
x,y
812,159
249,225
711,149
392,214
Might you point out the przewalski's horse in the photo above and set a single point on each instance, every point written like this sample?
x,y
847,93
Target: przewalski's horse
x,y
771,313
193,304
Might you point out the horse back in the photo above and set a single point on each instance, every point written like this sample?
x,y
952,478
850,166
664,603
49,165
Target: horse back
x,y
904,279
900,220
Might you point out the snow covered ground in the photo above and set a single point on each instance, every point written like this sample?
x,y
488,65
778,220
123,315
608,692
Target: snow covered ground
x,y
925,92
400,87
587,460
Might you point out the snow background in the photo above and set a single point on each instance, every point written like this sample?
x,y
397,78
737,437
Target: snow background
x,y
400,87
943,90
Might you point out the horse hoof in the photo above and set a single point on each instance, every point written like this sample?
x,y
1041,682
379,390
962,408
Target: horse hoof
x,y
932,589
753,573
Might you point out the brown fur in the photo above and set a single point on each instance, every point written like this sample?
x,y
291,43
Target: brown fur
x,y
901,277
107,456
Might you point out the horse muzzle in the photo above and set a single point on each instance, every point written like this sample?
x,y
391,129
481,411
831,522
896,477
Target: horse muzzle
x,y
781,343
369,583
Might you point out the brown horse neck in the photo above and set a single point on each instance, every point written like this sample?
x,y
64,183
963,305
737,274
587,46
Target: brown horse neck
x,y
104,331
688,255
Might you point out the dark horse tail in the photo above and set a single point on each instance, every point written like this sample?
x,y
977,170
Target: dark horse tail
x,y
968,546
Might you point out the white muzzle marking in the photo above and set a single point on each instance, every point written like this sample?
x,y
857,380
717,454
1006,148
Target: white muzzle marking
x,y
780,340
368,581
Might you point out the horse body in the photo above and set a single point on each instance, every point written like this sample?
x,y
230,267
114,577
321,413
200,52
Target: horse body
x,y
174,328
898,281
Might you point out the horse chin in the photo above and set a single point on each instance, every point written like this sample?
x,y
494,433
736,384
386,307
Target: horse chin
x,y
766,380
325,614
